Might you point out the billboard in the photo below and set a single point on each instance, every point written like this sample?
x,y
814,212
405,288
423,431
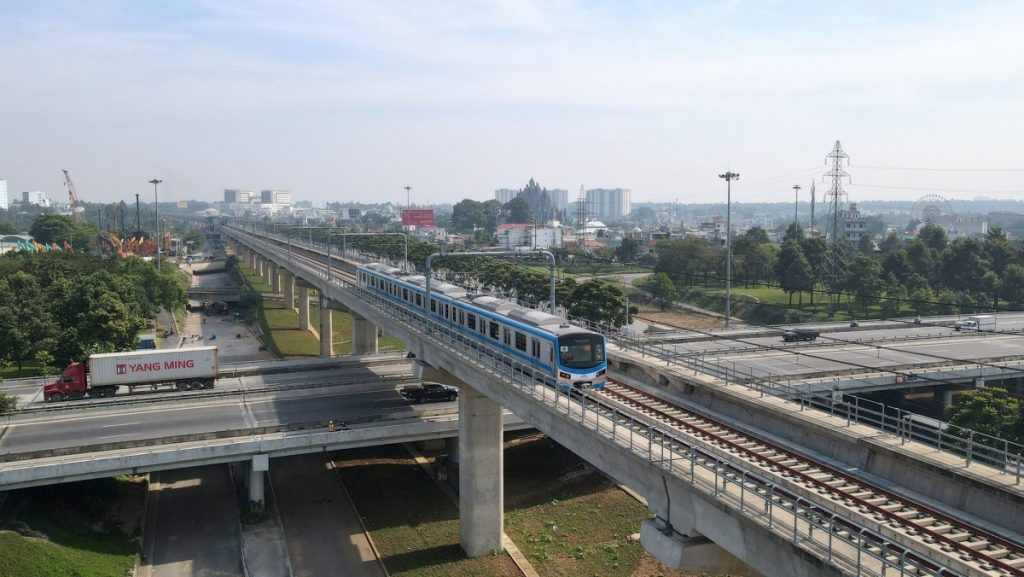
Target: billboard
x,y
418,217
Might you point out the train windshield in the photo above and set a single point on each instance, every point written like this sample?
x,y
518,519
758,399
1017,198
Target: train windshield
x,y
581,351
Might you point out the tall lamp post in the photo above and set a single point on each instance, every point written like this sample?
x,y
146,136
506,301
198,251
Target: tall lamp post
x,y
729,177
156,213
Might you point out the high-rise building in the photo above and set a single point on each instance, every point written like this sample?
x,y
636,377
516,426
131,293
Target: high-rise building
x,y
609,204
236,196
279,198
4,202
504,195
559,198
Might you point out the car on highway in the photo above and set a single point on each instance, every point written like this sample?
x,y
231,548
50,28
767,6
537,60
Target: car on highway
x,y
799,334
429,392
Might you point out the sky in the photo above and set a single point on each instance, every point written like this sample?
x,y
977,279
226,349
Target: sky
x,y
353,101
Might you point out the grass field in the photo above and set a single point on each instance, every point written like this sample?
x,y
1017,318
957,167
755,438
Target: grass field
x,y
28,369
567,520
85,529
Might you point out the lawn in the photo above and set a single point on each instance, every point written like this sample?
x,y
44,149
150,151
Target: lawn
x,y
28,369
567,520
85,529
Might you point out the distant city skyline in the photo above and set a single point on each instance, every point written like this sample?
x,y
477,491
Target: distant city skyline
x,y
355,101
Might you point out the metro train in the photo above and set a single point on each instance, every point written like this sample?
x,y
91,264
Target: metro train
x,y
546,343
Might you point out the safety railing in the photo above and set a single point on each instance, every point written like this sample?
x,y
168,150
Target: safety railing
x,y
970,445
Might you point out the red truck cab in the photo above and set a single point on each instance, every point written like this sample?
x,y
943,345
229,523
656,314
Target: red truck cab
x,y
71,383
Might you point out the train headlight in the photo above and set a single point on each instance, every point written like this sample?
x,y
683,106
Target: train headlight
x,y
601,372
564,375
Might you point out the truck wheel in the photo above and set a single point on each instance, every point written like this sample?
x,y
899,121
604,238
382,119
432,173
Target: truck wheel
x,y
423,399
183,386
56,398
195,385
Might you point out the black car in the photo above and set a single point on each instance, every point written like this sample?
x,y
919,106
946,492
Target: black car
x,y
799,335
429,392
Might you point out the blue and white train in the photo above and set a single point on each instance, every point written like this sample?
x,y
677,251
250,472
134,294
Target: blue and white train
x,y
547,343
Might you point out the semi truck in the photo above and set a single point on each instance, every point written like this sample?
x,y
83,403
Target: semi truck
x,y
976,323
184,369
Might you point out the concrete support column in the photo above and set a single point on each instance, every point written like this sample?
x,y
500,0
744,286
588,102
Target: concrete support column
x,y
326,329
253,259
481,474
944,396
257,472
451,445
275,277
303,308
364,336
289,289
266,270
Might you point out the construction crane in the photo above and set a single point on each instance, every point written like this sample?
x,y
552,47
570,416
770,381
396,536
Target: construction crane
x,y
77,210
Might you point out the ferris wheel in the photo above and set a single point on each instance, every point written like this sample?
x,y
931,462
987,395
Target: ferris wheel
x,y
931,208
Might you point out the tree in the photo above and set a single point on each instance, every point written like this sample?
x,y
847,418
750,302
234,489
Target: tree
x,y
963,265
1012,286
25,326
599,302
794,272
8,403
864,280
518,210
661,287
468,215
998,250
991,411
757,234
793,232
933,236
682,258
628,250
890,243
52,228
865,245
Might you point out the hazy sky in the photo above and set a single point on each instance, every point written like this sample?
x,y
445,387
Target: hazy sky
x,y
353,100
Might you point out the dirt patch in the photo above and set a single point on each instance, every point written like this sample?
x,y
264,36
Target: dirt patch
x,y
681,320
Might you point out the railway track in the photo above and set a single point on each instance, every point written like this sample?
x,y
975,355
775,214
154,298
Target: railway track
x,y
949,541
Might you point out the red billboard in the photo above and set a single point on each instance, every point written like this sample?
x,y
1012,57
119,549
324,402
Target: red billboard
x,y
418,217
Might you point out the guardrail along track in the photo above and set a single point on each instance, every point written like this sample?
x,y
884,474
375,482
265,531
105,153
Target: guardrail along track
x,y
942,533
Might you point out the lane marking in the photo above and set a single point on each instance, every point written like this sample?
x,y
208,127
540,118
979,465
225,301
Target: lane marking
x,y
121,425
116,436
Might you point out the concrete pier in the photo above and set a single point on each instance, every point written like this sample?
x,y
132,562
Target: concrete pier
x,y
289,289
303,308
364,336
481,473
258,468
326,329
275,278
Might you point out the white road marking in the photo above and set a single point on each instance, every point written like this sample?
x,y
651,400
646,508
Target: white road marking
x,y
121,424
116,436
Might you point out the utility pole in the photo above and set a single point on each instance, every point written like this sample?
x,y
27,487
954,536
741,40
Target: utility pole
x,y
156,215
729,177
796,206
408,202
835,261
137,213
811,226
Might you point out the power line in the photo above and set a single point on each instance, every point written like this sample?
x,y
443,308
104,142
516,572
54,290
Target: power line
x,y
941,169
928,189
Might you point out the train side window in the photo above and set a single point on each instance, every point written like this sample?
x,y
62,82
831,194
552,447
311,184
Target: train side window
x,y
536,348
471,321
508,337
462,317
405,294
419,300
495,330
520,341
433,306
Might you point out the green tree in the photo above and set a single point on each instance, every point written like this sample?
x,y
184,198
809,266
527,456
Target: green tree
x,y
468,215
963,265
1012,286
991,411
934,237
628,250
8,403
683,258
999,251
25,325
890,243
52,228
793,232
865,245
518,210
864,280
661,287
757,234
598,302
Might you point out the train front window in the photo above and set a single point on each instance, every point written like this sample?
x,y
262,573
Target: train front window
x,y
581,351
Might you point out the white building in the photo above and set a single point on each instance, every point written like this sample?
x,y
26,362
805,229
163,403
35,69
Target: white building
x,y
609,203
505,195
559,198
5,203
237,196
36,197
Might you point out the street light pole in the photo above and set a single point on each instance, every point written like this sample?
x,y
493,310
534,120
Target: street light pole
x,y
156,213
729,177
